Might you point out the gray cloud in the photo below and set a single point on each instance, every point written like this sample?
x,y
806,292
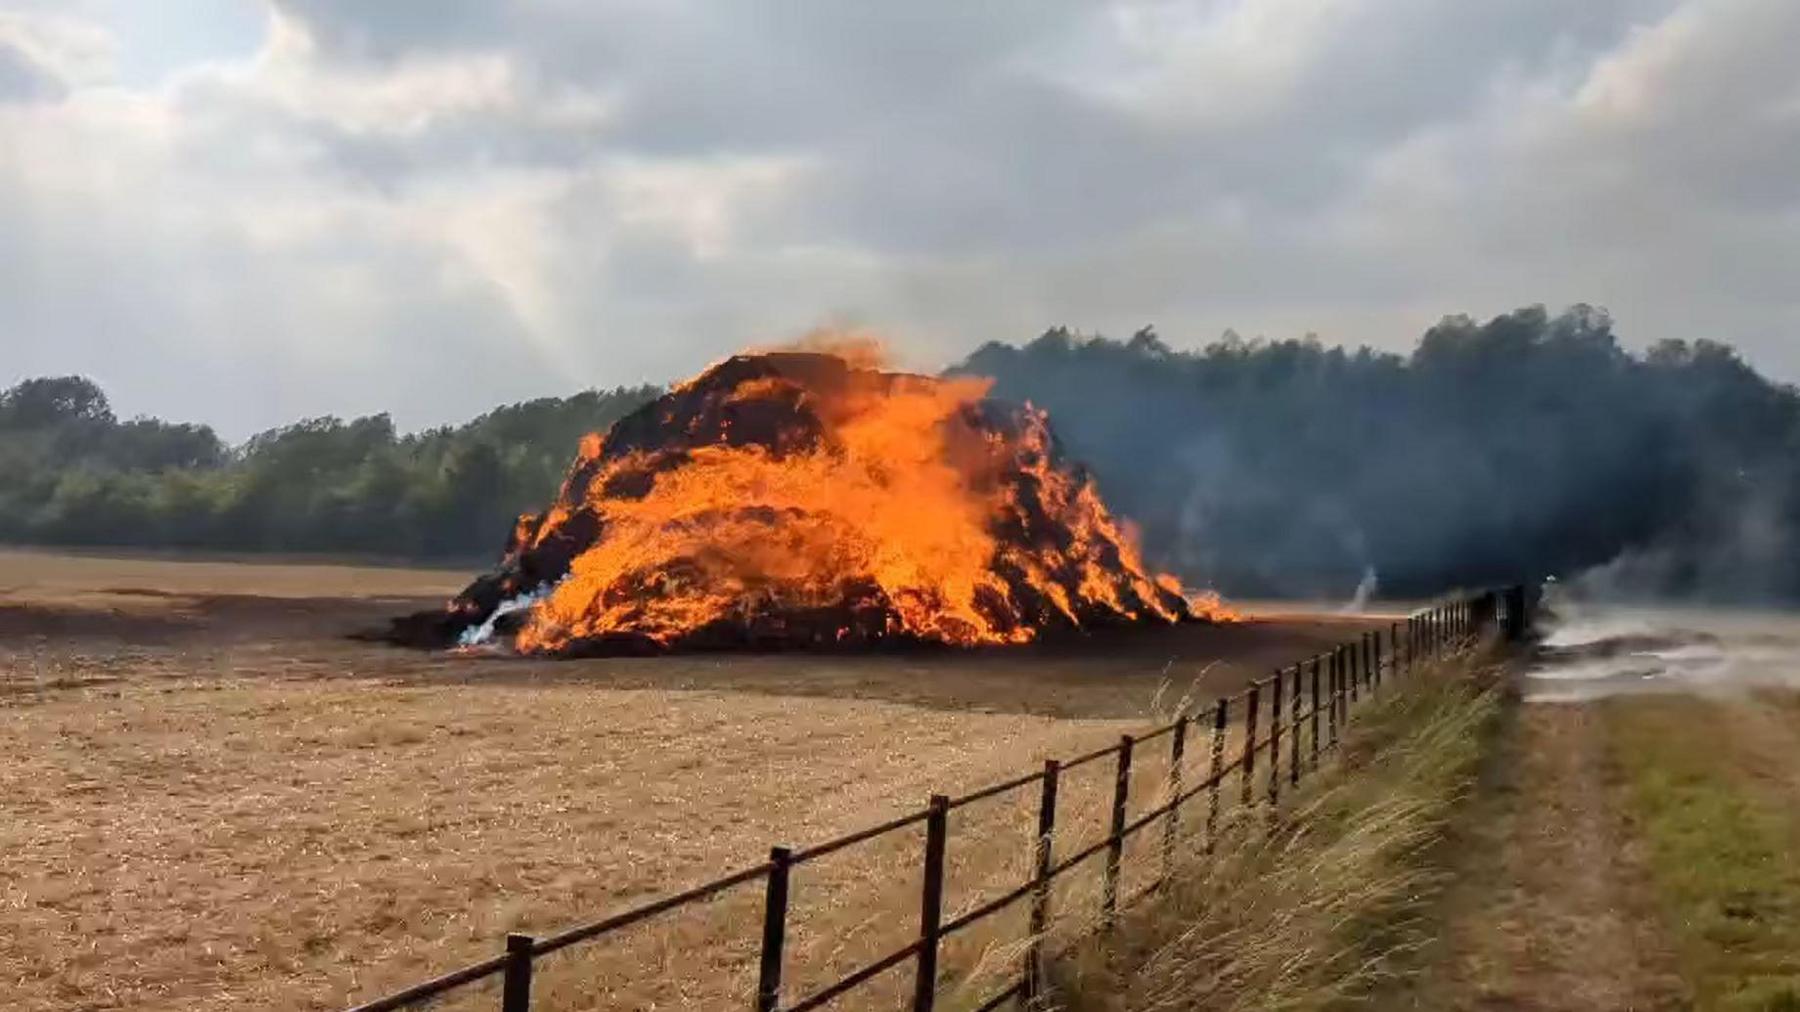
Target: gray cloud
x,y
429,207
23,79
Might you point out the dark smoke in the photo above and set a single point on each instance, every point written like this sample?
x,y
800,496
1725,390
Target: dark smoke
x,y
1525,447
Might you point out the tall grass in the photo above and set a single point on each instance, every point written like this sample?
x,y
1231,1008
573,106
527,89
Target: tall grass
x,y
1313,904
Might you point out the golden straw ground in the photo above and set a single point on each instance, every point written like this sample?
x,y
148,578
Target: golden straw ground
x,y
214,800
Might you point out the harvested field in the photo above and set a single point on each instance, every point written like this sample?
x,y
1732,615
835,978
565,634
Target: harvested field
x,y
218,800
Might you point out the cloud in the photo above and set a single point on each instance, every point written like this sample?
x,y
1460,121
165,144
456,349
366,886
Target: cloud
x,y
23,79
428,208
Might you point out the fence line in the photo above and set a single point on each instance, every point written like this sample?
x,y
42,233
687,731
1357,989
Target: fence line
x,y
1348,673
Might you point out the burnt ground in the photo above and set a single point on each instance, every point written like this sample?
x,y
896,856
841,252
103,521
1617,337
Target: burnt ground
x,y
99,621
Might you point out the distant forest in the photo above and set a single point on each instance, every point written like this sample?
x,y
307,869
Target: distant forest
x,y
1526,446
73,474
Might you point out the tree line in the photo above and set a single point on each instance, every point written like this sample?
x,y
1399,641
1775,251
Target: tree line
x,y
1526,446
71,473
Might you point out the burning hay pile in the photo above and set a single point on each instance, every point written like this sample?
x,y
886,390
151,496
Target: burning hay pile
x,y
795,499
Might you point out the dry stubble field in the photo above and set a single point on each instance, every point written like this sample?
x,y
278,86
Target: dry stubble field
x,y
214,799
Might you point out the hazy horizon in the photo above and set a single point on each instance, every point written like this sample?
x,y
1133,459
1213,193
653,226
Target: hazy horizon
x,y
895,358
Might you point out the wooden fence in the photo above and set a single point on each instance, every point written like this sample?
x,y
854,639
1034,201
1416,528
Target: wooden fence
x,y
1307,706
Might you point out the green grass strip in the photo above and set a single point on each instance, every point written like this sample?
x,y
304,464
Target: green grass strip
x,y
1724,854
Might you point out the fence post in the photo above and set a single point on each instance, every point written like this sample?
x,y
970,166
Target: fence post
x,y
1171,822
1251,708
775,905
1316,703
1516,622
1275,708
515,986
1040,892
1331,697
931,904
1115,846
1394,649
1294,731
1216,774
1350,668
1346,688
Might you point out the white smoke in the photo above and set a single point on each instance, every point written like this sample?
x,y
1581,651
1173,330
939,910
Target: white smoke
x,y
477,635
1593,649
1365,592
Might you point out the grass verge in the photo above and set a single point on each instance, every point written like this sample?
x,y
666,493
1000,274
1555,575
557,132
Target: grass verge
x,y
1721,842
1317,904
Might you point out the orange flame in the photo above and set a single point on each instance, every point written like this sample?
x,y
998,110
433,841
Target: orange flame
x,y
809,496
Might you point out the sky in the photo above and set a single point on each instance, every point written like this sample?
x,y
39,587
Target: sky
x,y
245,213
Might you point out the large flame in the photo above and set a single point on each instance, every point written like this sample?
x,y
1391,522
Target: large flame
x,y
805,497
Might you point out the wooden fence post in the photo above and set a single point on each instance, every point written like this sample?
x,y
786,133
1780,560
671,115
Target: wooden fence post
x,y
1294,730
931,904
1317,701
1251,708
1115,847
1350,667
775,905
1040,892
1331,696
1275,708
515,986
1216,774
1172,821
1346,689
